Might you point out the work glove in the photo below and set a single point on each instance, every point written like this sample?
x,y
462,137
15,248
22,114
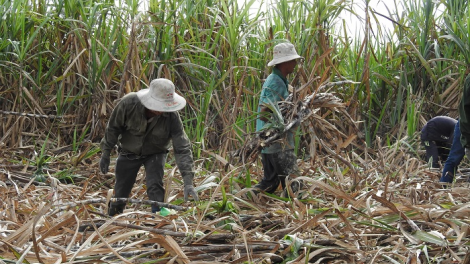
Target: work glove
x,y
189,190
104,162
290,88
467,152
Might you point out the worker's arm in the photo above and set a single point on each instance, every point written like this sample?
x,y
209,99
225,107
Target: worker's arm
x,y
264,113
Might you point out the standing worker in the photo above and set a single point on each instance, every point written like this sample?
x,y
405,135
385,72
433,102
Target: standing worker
x,y
437,136
142,125
464,112
278,159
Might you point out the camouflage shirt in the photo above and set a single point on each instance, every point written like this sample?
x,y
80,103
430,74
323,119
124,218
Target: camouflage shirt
x,y
129,128
464,114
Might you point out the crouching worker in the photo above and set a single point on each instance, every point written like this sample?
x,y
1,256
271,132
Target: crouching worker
x,y
142,125
437,136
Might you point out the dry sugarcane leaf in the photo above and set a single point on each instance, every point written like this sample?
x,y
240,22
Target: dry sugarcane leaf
x,y
348,141
336,192
220,158
311,223
172,247
68,217
395,209
21,235
322,251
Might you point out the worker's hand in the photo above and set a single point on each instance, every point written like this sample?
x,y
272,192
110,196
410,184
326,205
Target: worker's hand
x,y
189,190
467,153
290,88
104,162
265,114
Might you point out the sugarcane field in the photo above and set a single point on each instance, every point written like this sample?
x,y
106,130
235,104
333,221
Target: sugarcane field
x,y
194,132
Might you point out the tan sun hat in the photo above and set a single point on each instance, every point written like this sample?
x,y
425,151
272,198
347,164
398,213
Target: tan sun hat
x,y
283,52
161,96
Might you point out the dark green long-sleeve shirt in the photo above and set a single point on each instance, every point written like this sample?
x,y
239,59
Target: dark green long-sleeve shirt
x,y
129,128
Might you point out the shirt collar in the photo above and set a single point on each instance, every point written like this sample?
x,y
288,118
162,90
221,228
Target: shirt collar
x,y
278,73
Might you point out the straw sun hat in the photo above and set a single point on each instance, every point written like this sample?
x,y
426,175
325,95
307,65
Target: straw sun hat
x,y
283,52
161,96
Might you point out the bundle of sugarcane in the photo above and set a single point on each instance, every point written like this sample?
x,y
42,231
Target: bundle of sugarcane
x,y
294,112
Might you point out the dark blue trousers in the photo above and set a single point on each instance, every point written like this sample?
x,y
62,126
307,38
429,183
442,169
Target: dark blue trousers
x,y
456,154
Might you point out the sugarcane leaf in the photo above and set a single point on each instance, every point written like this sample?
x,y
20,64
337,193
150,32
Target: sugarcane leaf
x,y
430,238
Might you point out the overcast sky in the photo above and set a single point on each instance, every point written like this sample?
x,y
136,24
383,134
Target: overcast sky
x,y
355,26
379,6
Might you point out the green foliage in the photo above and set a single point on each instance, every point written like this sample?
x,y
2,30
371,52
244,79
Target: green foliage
x,y
295,245
247,179
225,205
430,238
458,33
41,159
276,120
76,58
68,176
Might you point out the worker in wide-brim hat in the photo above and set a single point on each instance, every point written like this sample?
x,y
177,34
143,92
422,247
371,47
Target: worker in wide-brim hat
x,y
143,125
278,159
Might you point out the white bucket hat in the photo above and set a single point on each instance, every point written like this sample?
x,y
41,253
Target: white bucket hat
x,y
161,96
283,52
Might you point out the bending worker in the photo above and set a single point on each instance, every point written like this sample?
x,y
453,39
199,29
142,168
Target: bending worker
x,y
142,125
437,136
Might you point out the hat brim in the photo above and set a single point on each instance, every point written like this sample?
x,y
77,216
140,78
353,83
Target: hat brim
x,y
283,59
155,104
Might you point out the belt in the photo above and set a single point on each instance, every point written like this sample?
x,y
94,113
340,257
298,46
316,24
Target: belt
x,y
132,156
